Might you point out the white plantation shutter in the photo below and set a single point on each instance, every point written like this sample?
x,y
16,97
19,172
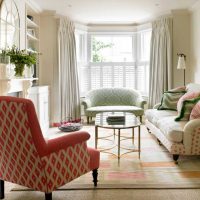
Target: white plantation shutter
x,y
132,74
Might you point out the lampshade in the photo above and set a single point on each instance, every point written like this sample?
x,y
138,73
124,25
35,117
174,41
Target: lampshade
x,y
181,62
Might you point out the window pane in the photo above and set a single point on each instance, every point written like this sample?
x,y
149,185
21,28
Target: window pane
x,y
112,49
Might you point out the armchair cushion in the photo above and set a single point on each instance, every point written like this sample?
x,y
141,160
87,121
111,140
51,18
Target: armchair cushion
x,y
137,111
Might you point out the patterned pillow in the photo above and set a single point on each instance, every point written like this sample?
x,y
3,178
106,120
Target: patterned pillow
x,y
195,111
171,97
186,104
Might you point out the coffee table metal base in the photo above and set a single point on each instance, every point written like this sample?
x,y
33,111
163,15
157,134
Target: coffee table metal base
x,y
130,150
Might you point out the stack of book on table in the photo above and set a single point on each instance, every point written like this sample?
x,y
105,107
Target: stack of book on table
x,y
113,119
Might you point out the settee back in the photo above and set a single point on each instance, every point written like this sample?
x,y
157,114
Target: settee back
x,y
113,97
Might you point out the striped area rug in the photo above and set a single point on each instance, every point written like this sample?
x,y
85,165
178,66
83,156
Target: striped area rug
x,y
155,168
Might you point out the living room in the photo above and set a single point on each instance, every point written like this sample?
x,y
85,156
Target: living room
x,y
90,58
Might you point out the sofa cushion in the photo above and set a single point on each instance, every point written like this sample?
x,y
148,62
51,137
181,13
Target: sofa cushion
x,y
185,105
171,129
171,97
133,109
153,115
195,114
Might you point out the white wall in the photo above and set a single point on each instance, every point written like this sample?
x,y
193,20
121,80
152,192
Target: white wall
x,y
48,59
181,44
195,45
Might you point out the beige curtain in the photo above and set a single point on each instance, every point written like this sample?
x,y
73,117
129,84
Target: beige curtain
x,y
160,60
69,98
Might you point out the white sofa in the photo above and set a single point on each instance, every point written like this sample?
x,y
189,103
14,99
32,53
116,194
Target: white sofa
x,y
180,138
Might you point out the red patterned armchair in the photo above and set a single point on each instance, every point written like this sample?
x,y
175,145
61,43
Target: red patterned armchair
x,y
27,159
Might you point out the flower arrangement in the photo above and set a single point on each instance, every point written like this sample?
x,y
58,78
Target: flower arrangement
x,y
20,58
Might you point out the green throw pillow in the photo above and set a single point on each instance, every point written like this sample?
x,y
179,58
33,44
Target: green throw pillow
x,y
170,98
186,109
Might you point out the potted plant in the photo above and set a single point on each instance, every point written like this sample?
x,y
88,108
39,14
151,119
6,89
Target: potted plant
x,y
20,58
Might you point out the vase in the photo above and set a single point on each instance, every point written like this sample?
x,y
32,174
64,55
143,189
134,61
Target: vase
x,y
5,70
29,71
19,69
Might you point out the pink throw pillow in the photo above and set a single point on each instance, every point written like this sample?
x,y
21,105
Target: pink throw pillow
x,y
186,96
195,112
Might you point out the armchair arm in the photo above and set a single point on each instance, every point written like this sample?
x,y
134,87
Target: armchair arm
x,y
191,134
63,142
86,103
140,102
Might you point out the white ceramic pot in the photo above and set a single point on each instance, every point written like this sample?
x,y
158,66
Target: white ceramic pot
x,y
5,71
29,71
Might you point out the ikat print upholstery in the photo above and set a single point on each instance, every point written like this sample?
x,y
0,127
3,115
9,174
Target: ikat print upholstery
x,y
171,97
27,159
113,100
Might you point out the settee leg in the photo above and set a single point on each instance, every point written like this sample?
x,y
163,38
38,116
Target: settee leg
x,y
175,157
148,129
95,175
141,119
88,120
159,142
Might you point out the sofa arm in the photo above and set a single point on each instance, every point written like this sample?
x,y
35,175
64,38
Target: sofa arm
x,y
191,134
140,102
86,103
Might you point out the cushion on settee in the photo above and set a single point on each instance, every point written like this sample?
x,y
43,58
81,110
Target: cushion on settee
x,y
94,110
171,129
153,115
171,97
195,114
186,104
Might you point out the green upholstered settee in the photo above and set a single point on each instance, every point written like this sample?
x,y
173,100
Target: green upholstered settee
x,y
113,100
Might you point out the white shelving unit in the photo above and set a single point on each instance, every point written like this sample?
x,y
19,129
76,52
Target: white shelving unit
x,y
32,35
38,94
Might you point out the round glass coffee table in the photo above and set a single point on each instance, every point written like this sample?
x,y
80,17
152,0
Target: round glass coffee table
x,y
129,121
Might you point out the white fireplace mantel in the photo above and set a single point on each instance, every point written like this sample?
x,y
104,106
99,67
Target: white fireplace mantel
x,y
16,85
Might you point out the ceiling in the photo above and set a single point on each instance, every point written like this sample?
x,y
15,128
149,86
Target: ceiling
x,y
113,11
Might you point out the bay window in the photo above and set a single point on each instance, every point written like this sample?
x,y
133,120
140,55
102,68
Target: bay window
x,y
116,60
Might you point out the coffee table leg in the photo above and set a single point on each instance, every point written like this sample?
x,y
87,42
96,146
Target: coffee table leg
x,y
118,143
96,136
139,147
133,135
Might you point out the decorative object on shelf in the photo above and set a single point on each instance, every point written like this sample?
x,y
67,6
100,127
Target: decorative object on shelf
x,y
181,63
70,125
5,69
20,58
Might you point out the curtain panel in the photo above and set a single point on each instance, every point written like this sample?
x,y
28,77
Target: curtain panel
x,y
160,60
69,98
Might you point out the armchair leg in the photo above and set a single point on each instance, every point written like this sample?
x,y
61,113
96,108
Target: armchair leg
x,y
2,189
175,157
141,119
95,175
48,196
